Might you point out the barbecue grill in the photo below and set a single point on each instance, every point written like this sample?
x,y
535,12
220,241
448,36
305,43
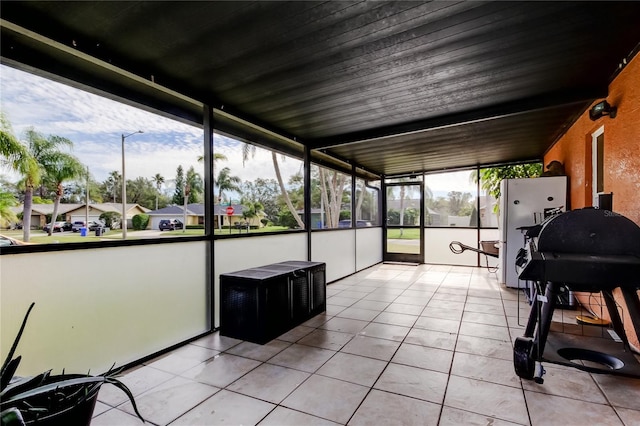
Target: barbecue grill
x,y
587,250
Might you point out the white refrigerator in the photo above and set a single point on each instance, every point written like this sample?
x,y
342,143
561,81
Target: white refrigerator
x,y
524,202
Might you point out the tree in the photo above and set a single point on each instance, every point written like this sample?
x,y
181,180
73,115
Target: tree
x,y
95,193
7,216
216,157
113,185
195,186
141,191
158,180
60,167
110,218
17,157
12,150
140,221
252,209
226,182
332,185
9,186
406,193
361,193
459,203
264,191
32,159
491,177
283,191
249,150
178,194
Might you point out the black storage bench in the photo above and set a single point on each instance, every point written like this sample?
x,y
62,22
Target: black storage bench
x,y
259,304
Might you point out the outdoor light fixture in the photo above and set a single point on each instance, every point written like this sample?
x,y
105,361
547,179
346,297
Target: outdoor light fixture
x,y
123,220
600,109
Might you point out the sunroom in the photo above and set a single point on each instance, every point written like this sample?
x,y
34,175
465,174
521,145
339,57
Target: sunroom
x,y
367,124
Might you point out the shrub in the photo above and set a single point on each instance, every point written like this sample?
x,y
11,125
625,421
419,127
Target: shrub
x,y
109,218
286,219
140,221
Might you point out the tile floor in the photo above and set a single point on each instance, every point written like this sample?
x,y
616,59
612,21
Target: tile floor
x,y
398,345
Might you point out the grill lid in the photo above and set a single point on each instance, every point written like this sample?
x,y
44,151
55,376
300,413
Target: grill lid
x,y
590,231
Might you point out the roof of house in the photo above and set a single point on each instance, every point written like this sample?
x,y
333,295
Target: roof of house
x,y
195,209
63,208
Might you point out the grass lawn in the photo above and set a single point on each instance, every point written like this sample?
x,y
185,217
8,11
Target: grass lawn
x,y
41,237
225,231
407,233
178,233
403,248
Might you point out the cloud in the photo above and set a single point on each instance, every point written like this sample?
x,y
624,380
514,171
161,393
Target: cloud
x,y
442,183
95,125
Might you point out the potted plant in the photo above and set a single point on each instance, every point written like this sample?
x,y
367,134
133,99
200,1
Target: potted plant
x,y
47,399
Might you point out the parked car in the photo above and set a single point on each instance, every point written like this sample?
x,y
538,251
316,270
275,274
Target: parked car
x,y
58,227
75,226
93,225
170,224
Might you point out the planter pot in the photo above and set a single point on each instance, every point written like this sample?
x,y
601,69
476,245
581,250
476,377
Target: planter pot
x,y
74,406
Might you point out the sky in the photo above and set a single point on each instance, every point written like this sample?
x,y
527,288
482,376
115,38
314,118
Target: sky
x,y
95,125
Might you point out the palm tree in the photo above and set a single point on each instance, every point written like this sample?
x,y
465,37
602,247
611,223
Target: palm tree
x,y
252,209
195,184
13,156
25,159
216,157
250,150
226,182
12,151
60,167
283,191
7,216
158,180
113,182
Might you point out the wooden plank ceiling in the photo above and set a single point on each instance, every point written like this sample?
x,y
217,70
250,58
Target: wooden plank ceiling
x,y
393,87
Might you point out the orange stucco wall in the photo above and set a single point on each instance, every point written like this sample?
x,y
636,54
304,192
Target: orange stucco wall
x,y
621,158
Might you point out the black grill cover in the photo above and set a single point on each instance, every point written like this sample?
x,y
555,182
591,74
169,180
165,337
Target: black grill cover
x,y
590,231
